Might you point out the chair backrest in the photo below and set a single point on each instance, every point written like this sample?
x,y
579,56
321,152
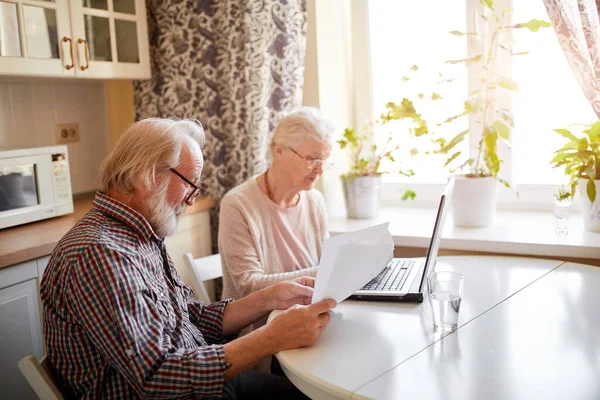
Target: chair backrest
x,y
40,377
204,269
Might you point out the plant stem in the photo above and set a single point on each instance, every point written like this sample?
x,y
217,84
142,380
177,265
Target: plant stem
x,y
357,157
384,154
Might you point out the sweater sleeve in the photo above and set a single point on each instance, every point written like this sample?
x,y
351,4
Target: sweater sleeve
x,y
240,257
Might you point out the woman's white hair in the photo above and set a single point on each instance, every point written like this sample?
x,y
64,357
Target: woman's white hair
x,y
305,123
145,151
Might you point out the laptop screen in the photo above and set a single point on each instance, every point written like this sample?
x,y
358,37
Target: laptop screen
x,y
438,228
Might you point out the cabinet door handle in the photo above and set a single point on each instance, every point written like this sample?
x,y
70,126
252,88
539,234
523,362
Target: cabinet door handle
x,y
68,39
87,54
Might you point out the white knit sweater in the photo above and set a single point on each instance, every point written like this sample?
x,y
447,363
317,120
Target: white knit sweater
x,y
246,241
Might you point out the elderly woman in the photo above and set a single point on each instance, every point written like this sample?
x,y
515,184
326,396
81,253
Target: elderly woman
x,y
272,226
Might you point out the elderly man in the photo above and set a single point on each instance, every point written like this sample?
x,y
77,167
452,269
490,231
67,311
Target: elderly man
x,y
119,321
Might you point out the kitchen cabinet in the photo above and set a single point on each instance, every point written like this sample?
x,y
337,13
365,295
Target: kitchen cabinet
x,y
21,332
104,39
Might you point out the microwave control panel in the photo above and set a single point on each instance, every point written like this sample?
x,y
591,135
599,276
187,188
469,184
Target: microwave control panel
x,y
62,183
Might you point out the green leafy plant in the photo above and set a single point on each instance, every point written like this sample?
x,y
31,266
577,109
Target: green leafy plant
x,y
562,194
580,157
495,121
366,157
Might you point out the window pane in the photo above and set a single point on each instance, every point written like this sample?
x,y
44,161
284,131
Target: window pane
x,y
407,33
97,34
98,4
10,40
40,32
124,6
127,45
549,98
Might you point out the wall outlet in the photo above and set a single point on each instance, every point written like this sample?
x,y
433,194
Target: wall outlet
x,y
66,133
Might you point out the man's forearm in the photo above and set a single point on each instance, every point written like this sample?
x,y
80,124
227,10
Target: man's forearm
x,y
243,353
243,312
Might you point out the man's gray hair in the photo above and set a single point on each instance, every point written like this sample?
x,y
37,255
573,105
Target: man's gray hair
x,y
305,123
145,151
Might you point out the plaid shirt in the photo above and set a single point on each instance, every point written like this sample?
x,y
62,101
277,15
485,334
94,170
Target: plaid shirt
x,y
119,321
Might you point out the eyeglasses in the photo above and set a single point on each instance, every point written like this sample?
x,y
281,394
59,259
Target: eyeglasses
x,y
196,190
313,163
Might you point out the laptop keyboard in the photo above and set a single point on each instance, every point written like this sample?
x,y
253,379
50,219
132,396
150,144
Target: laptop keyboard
x,y
392,277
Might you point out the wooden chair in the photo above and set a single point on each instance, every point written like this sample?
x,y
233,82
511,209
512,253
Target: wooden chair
x,y
203,269
40,377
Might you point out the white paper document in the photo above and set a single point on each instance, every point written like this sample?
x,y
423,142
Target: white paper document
x,y
350,260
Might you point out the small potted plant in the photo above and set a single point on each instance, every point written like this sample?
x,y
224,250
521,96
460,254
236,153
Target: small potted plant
x,y
363,180
580,157
476,191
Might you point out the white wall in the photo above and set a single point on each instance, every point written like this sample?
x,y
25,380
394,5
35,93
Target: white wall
x,y
30,108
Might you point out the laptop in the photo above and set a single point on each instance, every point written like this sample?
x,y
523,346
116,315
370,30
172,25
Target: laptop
x,y
403,279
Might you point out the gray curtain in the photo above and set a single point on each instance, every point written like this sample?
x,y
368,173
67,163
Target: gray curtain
x,y
237,66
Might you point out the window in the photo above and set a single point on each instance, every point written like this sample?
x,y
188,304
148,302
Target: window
x,y
549,98
404,34
407,33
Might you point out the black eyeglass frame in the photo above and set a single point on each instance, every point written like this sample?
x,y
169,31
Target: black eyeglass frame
x,y
196,190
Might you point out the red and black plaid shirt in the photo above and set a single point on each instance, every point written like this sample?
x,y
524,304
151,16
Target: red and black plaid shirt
x,y
119,322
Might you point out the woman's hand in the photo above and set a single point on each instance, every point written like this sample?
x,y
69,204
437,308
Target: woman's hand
x,y
283,295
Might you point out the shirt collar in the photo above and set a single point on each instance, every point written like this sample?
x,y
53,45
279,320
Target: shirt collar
x,y
125,214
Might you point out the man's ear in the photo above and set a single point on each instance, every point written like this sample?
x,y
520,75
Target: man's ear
x,y
140,190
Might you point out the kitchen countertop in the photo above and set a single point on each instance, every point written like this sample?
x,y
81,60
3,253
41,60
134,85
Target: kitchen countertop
x,y
37,239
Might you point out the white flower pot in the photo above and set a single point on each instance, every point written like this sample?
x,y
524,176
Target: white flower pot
x,y
474,201
362,196
590,211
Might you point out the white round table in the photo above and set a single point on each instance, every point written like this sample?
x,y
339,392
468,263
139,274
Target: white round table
x,y
528,328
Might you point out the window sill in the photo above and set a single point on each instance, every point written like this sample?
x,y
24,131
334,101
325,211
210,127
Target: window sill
x,y
513,232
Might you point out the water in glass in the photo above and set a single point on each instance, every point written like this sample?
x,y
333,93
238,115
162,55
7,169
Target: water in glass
x,y
445,307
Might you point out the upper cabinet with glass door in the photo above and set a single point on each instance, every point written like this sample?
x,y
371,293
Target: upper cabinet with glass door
x,y
111,37
35,38
106,39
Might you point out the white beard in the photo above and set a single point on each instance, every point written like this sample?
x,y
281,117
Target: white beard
x,y
163,218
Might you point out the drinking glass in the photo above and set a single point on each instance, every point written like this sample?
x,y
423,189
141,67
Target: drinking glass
x,y
445,295
561,212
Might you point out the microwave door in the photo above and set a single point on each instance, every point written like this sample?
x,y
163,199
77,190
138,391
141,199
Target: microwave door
x,y
26,192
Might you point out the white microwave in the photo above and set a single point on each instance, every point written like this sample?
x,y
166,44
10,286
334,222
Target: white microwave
x,y
35,184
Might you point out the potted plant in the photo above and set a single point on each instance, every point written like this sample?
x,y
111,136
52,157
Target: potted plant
x,y
363,180
580,157
476,191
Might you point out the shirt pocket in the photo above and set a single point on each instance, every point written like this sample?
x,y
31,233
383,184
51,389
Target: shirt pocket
x,y
162,302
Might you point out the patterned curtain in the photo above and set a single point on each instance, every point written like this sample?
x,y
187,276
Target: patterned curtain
x,y
577,26
237,66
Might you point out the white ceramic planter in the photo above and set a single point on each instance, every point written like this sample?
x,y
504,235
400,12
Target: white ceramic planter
x,y
590,211
362,196
474,201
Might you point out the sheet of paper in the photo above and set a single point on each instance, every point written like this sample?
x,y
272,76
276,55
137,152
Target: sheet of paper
x,y
351,260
